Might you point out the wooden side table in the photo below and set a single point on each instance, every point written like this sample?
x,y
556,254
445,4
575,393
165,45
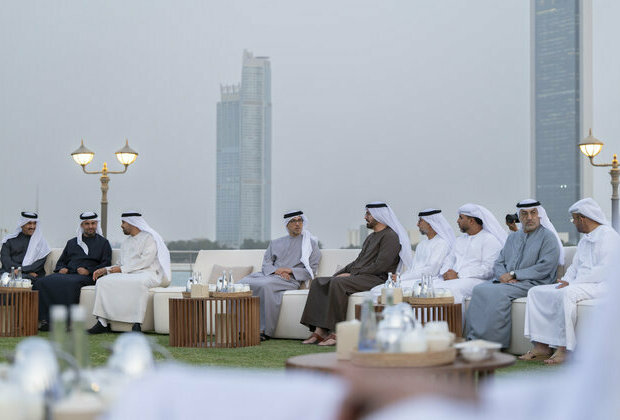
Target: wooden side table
x,y
449,312
19,312
215,322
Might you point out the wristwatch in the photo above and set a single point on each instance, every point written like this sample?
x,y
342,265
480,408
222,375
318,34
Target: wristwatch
x,y
513,275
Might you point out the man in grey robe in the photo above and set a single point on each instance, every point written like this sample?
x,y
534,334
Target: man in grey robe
x,y
26,248
529,258
381,253
288,261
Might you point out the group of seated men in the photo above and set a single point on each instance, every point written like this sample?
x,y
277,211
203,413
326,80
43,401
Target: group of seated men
x,y
485,264
121,290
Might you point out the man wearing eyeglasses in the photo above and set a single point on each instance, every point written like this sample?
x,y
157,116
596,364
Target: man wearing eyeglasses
x,y
551,310
288,262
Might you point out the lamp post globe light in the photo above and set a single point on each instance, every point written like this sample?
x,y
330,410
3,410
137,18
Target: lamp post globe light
x,y
590,147
83,156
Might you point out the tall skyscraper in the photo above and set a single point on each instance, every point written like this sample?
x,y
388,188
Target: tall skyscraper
x,y
561,74
243,204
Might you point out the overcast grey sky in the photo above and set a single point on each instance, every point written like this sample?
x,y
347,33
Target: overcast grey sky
x,y
419,103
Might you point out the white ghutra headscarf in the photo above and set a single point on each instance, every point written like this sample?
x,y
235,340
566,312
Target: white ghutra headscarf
x,y
438,222
383,213
306,241
589,208
489,222
38,246
87,215
544,220
163,254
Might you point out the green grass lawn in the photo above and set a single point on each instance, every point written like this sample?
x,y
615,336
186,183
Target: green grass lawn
x,y
271,354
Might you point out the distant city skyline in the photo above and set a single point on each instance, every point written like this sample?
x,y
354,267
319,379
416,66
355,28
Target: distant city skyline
x,y
243,202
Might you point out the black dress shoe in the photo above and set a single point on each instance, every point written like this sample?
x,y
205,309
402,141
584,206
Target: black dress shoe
x,y
98,328
136,327
44,326
264,337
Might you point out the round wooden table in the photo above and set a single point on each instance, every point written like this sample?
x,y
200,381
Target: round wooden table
x,y
215,322
459,371
19,312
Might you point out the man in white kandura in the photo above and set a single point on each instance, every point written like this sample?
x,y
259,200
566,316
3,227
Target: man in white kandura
x,y
288,262
475,252
121,291
551,310
432,253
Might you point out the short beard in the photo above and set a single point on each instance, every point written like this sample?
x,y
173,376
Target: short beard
x,y
90,235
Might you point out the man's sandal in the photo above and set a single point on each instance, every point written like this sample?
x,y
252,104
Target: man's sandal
x,y
313,339
330,340
557,359
532,356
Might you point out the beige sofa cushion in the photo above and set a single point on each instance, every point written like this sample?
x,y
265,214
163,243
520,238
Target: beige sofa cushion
x,y
238,272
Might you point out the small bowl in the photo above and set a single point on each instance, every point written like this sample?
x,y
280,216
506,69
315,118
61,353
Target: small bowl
x,y
477,350
476,354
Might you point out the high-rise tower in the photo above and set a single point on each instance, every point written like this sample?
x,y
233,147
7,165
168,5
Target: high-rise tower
x,y
244,155
561,72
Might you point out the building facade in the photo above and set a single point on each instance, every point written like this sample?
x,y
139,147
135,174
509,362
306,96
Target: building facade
x,y
561,75
243,202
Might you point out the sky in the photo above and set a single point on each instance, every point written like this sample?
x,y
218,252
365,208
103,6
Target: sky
x,y
417,103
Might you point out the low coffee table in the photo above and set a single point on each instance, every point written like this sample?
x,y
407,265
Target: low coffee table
x,y
459,371
19,312
215,322
449,312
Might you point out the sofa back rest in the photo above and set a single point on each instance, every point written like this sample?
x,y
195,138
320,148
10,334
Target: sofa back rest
x,y
52,259
332,259
206,259
569,253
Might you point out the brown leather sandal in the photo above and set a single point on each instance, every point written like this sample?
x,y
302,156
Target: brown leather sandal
x,y
313,339
531,356
330,340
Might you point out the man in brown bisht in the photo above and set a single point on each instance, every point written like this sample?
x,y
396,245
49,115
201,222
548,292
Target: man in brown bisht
x,y
385,250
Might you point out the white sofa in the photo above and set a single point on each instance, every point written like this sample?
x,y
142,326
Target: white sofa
x,y
293,301
87,297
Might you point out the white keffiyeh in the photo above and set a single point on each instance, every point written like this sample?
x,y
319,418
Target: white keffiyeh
x,y
306,241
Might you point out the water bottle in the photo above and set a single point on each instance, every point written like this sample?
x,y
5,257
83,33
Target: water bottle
x,y
58,330
231,282
397,283
368,329
12,277
219,284
19,274
79,343
224,281
188,285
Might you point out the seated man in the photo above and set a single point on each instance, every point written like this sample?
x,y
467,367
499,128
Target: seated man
x,y
432,253
122,291
82,255
551,310
474,252
288,261
381,252
529,258
26,248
